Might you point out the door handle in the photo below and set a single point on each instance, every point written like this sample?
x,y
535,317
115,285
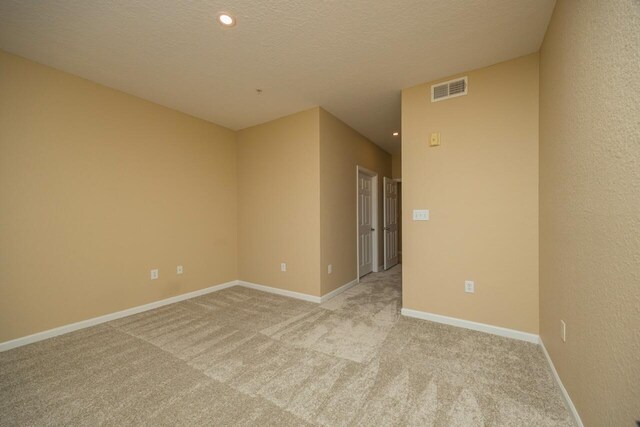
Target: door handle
x,y
386,229
373,229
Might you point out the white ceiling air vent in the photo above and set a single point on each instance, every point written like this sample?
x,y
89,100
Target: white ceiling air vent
x,y
450,89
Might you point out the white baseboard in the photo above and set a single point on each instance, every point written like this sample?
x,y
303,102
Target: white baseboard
x,y
341,289
504,332
298,295
565,394
468,324
278,291
39,336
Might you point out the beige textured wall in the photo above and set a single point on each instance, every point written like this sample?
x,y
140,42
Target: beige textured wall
x,y
97,187
396,166
341,150
481,186
279,203
590,205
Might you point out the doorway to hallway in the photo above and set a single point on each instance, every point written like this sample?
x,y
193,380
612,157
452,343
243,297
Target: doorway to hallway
x,y
367,209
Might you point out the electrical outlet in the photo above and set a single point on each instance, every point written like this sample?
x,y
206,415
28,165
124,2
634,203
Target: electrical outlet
x,y
179,269
283,266
563,331
330,269
154,274
469,286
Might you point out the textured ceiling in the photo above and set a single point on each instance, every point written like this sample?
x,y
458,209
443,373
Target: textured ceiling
x,y
350,57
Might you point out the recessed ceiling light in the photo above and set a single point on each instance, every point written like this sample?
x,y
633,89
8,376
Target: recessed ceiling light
x,y
226,19
396,134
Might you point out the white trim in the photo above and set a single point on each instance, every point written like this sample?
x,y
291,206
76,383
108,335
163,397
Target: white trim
x,y
367,171
335,292
468,324
39,336
298,295
565,394
374,219
278,291
65,329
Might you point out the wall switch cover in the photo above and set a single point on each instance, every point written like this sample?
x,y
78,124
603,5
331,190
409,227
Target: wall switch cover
x,y
421,215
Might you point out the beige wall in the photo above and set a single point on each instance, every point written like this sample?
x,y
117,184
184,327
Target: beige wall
x,y
279,203
341,150
481,187
98,187
396,166
590,205
297,200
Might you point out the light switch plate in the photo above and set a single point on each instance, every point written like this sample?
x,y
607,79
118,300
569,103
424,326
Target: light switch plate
x,y
421,215
154,274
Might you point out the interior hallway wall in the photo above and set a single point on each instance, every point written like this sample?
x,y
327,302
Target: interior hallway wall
x,y
279,203
341,150
396,165
481,187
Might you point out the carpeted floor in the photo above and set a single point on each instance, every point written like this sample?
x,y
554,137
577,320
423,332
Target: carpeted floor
x,y
244,357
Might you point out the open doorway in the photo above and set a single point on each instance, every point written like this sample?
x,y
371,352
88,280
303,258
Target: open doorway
x,y
399,221
367,220
391,221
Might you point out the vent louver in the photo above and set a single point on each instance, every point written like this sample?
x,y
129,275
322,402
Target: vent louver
x,y
450,89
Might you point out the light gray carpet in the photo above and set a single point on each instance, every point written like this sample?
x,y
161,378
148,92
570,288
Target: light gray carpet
x,y
244,357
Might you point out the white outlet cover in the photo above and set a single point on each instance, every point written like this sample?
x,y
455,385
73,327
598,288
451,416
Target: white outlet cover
x,y
469,286
330,269
283,266
179,269
154,274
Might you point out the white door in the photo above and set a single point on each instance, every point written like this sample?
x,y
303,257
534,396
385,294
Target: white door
x,y
365,227
390,223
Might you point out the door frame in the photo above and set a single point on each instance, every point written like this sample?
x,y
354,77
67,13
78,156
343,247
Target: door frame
x,y
374,219
384,221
